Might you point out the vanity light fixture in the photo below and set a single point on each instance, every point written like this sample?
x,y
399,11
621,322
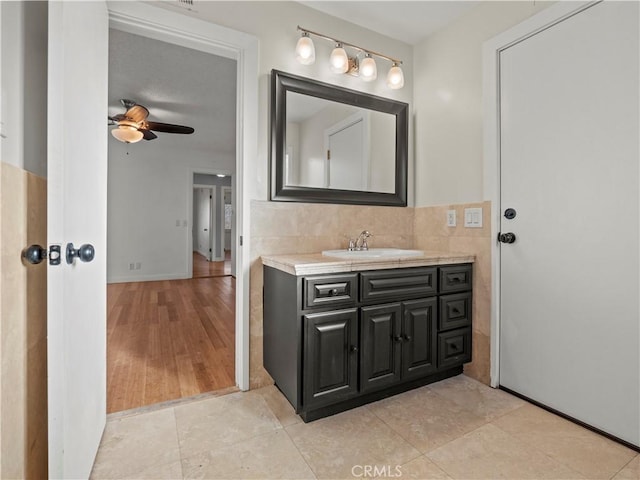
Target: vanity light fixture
x,y
341,62
305,50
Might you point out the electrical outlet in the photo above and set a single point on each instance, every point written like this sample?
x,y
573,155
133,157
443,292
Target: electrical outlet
x,y
132,266
184,223
177,223
451,218
138,265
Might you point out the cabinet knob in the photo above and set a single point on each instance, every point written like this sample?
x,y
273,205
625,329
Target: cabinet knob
x,y
353,349
407,338
334,292
397,338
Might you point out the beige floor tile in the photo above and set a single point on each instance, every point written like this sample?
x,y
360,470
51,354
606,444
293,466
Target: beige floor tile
x,y
279,405
335,445
426,419
475,397
586,452
490,453
423,469
631,471
271,456
133,445
212,424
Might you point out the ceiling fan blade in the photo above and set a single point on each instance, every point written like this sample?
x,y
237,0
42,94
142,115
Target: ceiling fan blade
x,y
117,118
147,134
169,128
137,114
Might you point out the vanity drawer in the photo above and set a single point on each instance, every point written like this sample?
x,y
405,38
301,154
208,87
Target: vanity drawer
x,y
455,311
333,290
454,347
398,284
456,278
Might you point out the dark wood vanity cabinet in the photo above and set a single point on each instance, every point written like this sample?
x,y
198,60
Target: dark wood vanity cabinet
x,y
336,341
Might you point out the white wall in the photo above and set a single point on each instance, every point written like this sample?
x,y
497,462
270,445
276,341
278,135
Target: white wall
x,y
274,24
24,69
149,192
448,102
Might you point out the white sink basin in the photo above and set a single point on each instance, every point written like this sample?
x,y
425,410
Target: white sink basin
x,y
373,253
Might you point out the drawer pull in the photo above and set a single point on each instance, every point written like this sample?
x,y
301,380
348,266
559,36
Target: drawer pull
x,y
455,278
453,346
455,311
353,349
334,292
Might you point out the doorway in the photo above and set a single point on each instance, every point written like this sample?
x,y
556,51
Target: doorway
x,y
213,221
169,335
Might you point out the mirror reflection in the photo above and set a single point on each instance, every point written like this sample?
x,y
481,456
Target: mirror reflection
x,y
338,146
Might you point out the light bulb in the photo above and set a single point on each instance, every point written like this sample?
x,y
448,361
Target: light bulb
x,y
127,134
368,69
395,78
339,61
305,50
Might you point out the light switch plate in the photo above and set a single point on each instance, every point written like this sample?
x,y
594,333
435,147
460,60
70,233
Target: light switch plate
x,y
451,218
473,217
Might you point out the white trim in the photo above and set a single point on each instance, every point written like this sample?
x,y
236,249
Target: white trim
x,y
174,27
222,230
491,121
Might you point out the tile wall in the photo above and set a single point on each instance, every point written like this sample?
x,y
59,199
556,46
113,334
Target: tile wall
x,y
280,228
23,327
432,233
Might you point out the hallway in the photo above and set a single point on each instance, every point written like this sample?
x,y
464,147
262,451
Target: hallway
x,y
202,268
168,340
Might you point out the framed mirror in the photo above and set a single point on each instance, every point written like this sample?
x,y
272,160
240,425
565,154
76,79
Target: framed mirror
x,y
330,144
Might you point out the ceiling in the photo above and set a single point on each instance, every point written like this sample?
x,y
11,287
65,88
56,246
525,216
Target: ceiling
x,y
407,21
178,85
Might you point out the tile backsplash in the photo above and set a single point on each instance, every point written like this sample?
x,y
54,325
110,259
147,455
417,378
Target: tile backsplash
x,y
281,228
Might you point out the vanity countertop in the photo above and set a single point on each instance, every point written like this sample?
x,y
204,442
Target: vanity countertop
x,y
316,263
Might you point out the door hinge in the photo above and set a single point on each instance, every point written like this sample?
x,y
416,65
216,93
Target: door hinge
x,y
209,250
240,240
210,197
328,154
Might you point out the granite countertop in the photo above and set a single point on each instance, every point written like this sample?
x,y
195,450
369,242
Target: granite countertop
x,y
316,263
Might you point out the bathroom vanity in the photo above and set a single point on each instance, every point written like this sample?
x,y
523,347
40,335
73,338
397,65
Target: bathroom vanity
x,y
339,333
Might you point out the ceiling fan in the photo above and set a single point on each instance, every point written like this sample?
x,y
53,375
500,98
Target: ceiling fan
x,y
133,126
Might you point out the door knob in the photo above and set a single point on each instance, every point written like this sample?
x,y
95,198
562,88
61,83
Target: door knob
x,y
85,253
507,237
35,254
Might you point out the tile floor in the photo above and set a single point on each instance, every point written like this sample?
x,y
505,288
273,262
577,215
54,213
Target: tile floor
x,y
457,428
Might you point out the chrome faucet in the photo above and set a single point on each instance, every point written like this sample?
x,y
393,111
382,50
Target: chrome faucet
x,y
360,243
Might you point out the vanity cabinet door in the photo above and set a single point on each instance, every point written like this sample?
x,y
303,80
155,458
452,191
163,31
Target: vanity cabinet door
x,y
330,357
380,346
419,335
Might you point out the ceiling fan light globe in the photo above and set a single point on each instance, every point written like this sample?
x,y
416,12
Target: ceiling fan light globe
x,y
127,134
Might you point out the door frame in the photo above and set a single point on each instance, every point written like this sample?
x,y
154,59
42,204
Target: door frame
x,y
174,27
491,140
222,223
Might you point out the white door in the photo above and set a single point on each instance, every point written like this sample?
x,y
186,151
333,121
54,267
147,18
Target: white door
x,y
347,166
77,202
204,197
569,319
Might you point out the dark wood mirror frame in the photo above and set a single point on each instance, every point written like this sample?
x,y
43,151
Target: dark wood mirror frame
x,y
281,83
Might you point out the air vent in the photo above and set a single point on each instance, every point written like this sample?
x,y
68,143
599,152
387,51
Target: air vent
x,y
186,4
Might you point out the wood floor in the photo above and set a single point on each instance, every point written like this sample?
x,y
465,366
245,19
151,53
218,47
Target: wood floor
x,y
168,340
203,268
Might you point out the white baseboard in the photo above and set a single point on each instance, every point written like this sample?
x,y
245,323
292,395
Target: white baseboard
x,y
147,278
